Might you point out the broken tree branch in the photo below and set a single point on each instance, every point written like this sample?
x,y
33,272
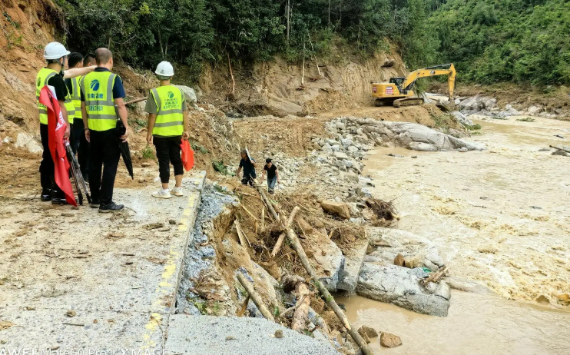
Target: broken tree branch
x,y
255,297
279,243
434,276
560,148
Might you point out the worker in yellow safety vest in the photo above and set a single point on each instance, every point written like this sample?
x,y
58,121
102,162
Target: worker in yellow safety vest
x,y
102,103
77,140
167,126
53,76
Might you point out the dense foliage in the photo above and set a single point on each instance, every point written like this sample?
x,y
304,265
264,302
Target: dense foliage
x,y
143,32
524,41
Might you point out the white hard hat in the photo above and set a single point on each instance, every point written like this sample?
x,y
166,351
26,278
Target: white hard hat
x,y
164,69
55,50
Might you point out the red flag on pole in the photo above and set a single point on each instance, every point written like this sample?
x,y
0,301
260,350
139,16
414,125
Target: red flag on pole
x,y
56,131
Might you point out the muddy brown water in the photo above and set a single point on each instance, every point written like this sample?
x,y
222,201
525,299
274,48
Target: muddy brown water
x,y
476,324
500,217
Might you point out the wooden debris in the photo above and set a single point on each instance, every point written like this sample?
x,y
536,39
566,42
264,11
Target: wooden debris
x,y
296,244
242,237
435,276
255,297
301,316
249,213
281,238
241,312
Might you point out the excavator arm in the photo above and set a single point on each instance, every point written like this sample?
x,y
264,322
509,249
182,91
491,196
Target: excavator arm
x,y
446,69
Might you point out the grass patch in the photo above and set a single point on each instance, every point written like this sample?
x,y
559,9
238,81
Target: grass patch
x,y
199,148
220,167
147,153
526,119
475,127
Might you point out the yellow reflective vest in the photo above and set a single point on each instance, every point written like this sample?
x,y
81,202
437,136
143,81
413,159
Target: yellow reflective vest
x,y
76,96
97,88
70,107
169,117
41,80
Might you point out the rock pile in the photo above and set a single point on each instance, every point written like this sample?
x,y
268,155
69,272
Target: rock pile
x,y
487,106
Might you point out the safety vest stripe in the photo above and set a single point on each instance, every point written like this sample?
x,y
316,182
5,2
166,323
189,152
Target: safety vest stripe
x,y
168,112
75,88
102,117
169,124
43,111
157,99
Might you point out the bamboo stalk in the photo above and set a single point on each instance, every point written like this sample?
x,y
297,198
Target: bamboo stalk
x,y
255,297
326,294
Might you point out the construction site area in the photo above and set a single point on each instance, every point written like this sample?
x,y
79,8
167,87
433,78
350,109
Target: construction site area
x,y
424,226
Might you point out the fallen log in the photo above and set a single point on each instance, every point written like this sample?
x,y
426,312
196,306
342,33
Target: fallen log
x,y
249,213
255,297
279,243
329,299
301,308
135,101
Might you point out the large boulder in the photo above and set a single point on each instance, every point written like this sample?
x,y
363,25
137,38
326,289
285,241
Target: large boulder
x,y
337,209
28,142
354,256
327,259
461,118
189,94
400,286
406,133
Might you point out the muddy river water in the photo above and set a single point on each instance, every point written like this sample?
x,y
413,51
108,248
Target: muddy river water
x,y
500,217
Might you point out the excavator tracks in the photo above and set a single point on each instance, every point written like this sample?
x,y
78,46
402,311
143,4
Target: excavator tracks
x,y
409,101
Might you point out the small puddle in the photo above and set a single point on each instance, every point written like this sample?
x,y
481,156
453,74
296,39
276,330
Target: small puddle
x,y
476,324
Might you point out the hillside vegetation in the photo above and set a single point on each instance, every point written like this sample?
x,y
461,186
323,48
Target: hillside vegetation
x,y
522,41
143,32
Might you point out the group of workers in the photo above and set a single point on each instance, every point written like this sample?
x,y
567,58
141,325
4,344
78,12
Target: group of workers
x,y
91,99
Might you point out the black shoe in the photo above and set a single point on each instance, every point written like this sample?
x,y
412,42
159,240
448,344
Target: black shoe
x,y
58,201
46,195
94,204
110,207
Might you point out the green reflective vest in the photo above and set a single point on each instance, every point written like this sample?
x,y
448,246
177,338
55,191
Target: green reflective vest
x,y
41,80
97,88
169,118
76,96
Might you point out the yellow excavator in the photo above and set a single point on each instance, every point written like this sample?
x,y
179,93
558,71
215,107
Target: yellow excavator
x,y
400,91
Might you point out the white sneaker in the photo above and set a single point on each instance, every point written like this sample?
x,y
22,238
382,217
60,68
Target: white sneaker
x,y
177,191
162,194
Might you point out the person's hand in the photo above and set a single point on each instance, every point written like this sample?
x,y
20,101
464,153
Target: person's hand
x,y
67,132
88,135
186,135
125,137
149,138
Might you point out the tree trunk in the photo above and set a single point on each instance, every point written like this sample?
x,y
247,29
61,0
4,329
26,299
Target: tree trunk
x,y
279,243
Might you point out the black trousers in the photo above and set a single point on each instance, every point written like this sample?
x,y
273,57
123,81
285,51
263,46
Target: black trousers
x,y
104,156
80,146
168,152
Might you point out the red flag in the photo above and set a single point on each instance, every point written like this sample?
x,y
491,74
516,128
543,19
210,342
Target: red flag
x,y
187,155
56,131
